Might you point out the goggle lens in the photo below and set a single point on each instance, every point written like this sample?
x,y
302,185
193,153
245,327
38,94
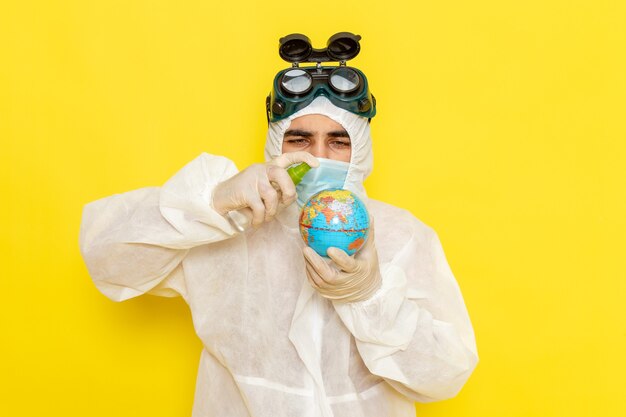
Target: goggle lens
x,y
296,81
344,80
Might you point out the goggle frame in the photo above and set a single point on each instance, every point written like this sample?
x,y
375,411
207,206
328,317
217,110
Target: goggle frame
x,y
281,103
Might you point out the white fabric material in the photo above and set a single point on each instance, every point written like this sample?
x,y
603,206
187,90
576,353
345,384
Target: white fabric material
x,y
272,345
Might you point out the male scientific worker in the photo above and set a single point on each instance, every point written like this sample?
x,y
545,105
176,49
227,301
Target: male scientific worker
x,y
285,331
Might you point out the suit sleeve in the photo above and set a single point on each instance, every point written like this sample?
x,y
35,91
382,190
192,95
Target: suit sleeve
x,y
133,243
415,331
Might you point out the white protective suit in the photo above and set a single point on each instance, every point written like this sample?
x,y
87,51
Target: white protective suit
x,y
272,345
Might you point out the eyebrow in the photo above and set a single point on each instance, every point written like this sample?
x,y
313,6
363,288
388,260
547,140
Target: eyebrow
x,y
308,134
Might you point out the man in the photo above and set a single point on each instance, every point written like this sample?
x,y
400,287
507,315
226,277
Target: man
x,y
286,332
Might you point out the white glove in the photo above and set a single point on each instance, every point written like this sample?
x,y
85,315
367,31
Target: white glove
x,y
346,278
261,189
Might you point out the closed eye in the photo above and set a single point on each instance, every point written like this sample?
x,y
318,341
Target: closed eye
x,y
297,141
341,144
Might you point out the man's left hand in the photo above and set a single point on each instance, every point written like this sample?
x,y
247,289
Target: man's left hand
x,y
346,278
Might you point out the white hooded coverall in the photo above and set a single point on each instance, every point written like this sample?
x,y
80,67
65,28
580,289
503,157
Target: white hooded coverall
x,y
272,345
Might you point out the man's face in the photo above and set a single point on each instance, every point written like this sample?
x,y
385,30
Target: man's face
x,y
320,136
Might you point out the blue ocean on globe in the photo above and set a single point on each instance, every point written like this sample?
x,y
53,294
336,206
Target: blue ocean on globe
x,y
334,218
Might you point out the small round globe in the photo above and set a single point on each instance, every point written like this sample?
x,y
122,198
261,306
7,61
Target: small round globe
x,y
334,218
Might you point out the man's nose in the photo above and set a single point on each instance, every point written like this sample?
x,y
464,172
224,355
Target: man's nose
x,y
319,150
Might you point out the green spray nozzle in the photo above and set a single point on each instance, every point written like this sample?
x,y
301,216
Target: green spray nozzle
x,y
297,172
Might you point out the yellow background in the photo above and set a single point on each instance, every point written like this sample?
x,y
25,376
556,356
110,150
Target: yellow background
x,y
501,124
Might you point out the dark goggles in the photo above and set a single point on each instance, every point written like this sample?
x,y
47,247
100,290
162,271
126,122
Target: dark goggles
x,y
295,88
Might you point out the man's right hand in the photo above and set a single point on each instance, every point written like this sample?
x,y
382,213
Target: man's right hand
x,y
261,189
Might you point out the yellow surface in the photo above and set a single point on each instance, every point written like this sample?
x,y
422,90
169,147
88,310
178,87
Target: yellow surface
x,y
501,124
